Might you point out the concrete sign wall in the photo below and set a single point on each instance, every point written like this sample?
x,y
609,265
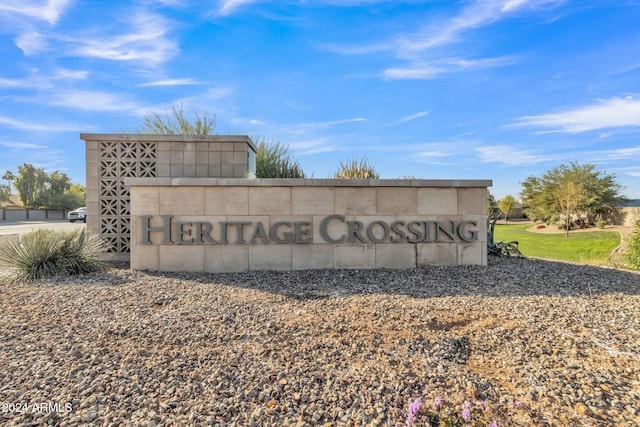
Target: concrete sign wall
x,y
237,225
112,158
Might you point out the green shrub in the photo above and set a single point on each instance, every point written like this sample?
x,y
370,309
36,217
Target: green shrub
x,y
274,161
356,170
48,253
632,254
600,224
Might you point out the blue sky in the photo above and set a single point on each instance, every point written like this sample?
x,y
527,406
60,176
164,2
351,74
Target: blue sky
x,y
473,89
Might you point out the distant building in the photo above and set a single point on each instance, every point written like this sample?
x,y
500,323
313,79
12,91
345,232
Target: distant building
x,y
518,213
13,202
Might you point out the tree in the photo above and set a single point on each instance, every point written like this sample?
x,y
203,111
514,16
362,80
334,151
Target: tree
x,y
9,177
571,198
492,204
78,193
177,123
540,194
353,169
73,198
507,206
32,185
4,193
58,184
274,161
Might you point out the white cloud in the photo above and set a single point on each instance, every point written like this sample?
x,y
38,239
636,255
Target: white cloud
x,y
445,31
37,126
47,10
419,72
618,154
424,61
172,82
204,101
227,7
91,101
356,50
244,123
40,81
63,73
293,128
256,122
433,153
9,82
312,146
413,116
511,156
336,122
147,42
32,43
21,145
171,3
427,151
85,100
611,113
477,14
302,128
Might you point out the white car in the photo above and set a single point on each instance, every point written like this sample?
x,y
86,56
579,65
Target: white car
x,y
79,214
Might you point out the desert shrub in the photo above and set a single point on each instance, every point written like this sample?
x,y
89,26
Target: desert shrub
x,y
600,224
274,161
48,253
632,254
354,169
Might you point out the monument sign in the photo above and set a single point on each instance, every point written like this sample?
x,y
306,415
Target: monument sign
x,y
170,217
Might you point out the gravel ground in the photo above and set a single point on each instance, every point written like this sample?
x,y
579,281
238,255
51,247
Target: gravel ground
x,y
341,347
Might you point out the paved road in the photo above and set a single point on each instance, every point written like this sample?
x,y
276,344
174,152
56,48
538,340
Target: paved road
x,y
20,227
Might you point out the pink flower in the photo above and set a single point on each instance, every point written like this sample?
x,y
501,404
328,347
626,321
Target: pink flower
x,y
414,409
437,402
466,414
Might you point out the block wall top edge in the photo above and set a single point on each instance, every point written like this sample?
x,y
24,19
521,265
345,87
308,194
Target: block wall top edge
x,y
147,182
300,182
169,138
452,183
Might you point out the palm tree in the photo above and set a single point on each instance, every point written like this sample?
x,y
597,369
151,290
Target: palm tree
x,y
9,177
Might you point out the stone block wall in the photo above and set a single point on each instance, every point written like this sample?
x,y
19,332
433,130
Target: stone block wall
x,y
237,225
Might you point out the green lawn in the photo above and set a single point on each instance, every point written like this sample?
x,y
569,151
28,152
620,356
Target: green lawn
x,y
584,247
